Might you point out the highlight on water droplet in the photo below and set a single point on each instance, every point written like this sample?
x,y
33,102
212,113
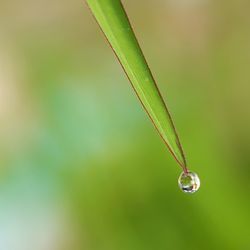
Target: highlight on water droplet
x,y
189,182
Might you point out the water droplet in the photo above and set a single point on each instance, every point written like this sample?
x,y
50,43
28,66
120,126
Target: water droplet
x,y
189,182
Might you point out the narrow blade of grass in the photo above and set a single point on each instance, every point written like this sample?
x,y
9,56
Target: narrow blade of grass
x,y
112,19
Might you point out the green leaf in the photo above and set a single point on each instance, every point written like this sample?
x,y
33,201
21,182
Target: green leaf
x,y
112,18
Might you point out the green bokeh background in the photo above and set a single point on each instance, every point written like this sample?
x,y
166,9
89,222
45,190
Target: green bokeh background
x,y
81,166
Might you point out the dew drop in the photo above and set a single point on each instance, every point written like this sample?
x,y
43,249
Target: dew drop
x,y
189,182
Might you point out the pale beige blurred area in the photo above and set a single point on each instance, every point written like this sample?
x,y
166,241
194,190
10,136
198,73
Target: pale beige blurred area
x,y
30,224
28,219
81,166
15,107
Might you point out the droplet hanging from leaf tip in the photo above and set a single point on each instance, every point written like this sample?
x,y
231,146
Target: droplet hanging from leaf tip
x,y
189,182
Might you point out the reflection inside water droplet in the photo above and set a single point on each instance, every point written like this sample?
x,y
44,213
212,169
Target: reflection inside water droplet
x,y
189,182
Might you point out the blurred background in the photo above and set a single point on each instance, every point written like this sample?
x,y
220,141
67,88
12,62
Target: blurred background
x,y
81,166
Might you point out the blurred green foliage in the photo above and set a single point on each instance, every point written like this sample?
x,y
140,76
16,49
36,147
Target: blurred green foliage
x,y
81,166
